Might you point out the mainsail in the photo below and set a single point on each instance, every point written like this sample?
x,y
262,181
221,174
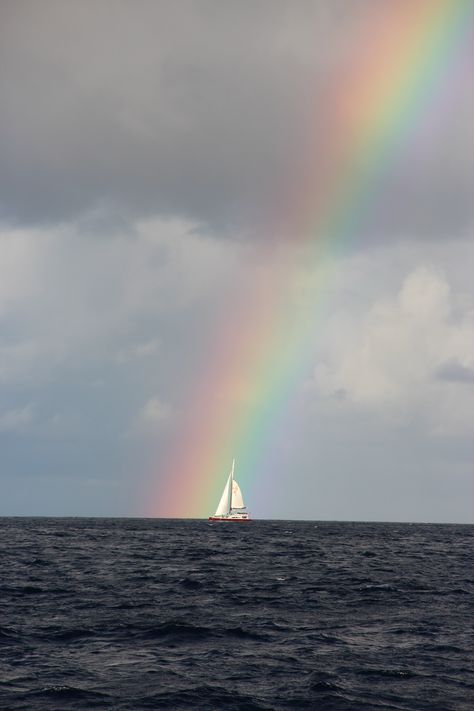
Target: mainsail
x,y
224,504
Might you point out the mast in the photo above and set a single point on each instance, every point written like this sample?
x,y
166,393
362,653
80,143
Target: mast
x,y
231,485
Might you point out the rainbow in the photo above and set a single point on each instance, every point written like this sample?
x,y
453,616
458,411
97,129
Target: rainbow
x,y
409,52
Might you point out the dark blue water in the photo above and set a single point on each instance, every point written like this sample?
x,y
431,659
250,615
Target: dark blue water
x,y
143,614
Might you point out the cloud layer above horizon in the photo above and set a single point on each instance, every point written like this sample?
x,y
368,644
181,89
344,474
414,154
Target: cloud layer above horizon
x,y
115,111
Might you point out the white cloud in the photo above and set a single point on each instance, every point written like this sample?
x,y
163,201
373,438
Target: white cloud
x,y
151,418
138,351
390,360
155,411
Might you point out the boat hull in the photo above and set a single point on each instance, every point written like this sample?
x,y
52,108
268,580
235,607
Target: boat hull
x,y
228,519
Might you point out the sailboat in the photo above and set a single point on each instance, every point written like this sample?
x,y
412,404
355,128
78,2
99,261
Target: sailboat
x,y
231,505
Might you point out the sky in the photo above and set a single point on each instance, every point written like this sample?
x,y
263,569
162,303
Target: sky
x,y
163,167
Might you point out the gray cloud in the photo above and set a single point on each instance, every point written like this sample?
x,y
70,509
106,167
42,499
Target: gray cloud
x,y
121,110
455,372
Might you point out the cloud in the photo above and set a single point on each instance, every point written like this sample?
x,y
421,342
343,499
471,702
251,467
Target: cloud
x,y
138,351
155,411
116,111
455,372
393,362
69,303
90,327
151,418
16,420
107,339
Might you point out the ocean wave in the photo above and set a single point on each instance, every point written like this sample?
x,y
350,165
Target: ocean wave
x,y
180,615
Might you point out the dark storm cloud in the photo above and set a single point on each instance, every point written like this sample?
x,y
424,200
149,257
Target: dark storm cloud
x,y
195,109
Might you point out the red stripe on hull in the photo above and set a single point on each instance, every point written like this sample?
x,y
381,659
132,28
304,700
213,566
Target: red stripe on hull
x,y
238,520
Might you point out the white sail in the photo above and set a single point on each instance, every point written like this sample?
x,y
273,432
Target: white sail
x,y
237,500
224,504
231,505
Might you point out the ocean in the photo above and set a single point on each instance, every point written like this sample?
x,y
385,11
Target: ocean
x,y
182,614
